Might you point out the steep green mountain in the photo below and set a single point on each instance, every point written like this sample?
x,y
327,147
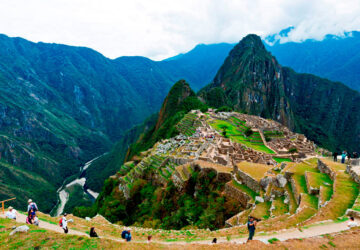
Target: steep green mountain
x,y
61,106
202,202
252,81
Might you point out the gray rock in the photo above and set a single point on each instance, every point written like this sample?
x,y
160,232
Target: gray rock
x,y
283,165
264,182
280,181
20,229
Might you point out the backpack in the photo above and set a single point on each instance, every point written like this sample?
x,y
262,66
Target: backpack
x,y
124,234
60,222
33,206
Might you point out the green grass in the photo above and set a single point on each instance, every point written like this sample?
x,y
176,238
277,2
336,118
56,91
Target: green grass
x,y
262,210
236,134
316,180
280,206
272,240
280,160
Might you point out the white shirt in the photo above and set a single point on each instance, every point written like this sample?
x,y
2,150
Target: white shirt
x,y
64,222
352,224
11,214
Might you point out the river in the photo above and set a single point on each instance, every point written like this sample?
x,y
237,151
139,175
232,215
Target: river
x,y
63,195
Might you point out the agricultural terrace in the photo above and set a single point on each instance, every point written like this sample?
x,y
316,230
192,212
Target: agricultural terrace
x,y
235,130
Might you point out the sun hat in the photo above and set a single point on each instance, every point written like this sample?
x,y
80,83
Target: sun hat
x,y
30,200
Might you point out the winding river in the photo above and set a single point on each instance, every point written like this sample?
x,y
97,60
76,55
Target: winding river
x,y
64,195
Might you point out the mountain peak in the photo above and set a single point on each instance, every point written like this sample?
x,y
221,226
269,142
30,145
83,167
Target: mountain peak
x,y
251,40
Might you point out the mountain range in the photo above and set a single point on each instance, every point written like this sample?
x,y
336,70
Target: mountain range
x,y
62,106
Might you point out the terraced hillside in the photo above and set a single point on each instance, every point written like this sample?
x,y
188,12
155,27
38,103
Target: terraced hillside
x,y
192,188
167,185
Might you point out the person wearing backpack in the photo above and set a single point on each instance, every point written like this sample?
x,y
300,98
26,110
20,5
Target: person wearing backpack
x,y
32,205
63,223
126,234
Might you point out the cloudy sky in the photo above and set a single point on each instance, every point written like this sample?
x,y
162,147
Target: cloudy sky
x,y
163,28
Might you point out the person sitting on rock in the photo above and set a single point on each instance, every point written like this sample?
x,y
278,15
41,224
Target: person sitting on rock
x,y
31,215
126,234
93,233
11,214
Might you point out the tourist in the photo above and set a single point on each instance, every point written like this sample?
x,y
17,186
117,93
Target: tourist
x,y
93,233
29,219
214,241
31,215
126,234
32,205
11,214
64,223
349,157
335,155
355,155
352,222
343,157
251,227
149,238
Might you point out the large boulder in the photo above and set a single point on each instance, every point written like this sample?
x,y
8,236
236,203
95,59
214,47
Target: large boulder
x,y
280,181
23,228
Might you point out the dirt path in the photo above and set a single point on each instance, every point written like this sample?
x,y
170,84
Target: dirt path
x,y
312,231
294,233
21,218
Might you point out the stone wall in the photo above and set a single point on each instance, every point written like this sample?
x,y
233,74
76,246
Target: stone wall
x,y
323,168
295,191
249,181
311,190
237,195
354,172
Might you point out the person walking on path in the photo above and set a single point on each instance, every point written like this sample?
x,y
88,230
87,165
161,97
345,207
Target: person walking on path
x,y
11,214
32,205
335,155
343,157
63,223
251,227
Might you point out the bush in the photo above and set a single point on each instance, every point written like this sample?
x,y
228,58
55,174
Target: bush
x,y
224,109
292,150
273,240
248,132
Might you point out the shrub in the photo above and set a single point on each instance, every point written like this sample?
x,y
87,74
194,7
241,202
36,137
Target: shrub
x,y
292,150
273,240
248,132
224,109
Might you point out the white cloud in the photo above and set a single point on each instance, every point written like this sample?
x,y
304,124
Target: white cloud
x,y
162,28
